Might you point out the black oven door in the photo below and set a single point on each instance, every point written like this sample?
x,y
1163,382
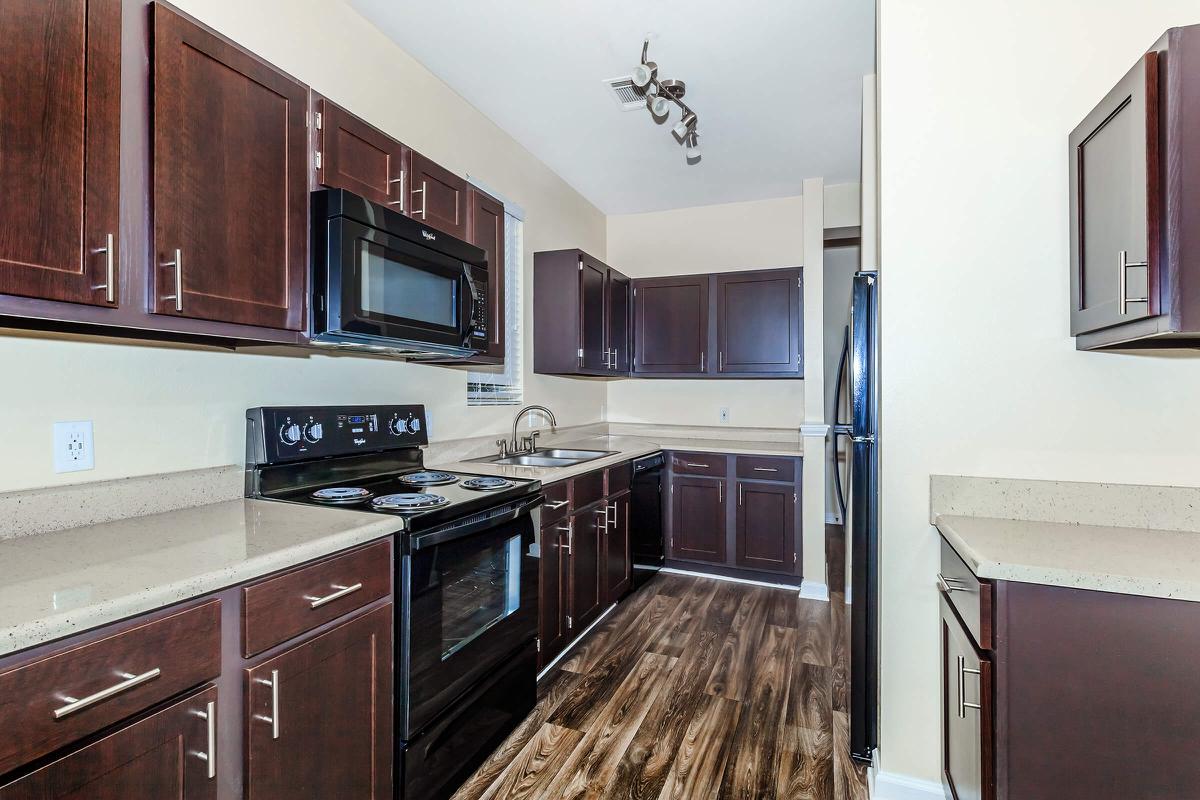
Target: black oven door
x,y
469,600
386,286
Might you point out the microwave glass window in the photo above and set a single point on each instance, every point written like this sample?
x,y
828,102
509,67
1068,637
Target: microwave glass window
x,y
395,289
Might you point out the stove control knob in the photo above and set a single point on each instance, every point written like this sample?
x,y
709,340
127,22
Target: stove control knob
x,y
313,432
290,433
413,425
397,426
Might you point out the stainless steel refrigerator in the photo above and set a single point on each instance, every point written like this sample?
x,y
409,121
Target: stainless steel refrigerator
x,y
859,434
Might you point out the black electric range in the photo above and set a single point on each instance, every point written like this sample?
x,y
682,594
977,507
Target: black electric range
x,y
466,581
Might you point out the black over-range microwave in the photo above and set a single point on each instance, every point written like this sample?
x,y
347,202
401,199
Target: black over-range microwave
x,y
384,283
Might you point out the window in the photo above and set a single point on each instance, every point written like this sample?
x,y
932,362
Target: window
x,y
502,386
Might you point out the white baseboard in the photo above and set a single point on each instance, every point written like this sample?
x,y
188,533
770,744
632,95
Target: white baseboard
x,y
891,786
811,590
673,571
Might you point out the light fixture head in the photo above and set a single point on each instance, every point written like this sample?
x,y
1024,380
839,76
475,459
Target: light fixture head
x,y
644,74
659,105
692,143
685,125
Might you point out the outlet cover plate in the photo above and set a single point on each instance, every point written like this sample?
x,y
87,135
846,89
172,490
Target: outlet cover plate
x,y
725,415
73,447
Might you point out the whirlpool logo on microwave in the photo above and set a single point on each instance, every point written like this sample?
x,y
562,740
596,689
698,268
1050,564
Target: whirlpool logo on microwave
x,y
430,236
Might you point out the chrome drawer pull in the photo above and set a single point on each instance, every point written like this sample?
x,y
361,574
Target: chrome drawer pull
x,y
556,506
963,671
690,464
945,584
765,469
342,591
130,681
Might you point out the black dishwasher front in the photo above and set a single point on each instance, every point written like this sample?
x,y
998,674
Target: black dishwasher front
x,y
646,518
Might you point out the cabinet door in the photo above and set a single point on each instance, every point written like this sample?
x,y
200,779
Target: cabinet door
x,y
170,754
766,526
698,519
553,582
437,196
319,715
1115,205
670,325
618,571
759,327
967,714
356,156
593,282
59,149
230,182
587,556
487,231
617,296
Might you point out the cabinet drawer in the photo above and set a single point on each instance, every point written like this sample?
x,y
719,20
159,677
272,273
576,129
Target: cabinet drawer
x,y
558,502
970,597
617,478
285,606
57,699
763,468
698,464
587,489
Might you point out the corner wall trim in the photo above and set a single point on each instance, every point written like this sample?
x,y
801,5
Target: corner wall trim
x,y
811,590
891,786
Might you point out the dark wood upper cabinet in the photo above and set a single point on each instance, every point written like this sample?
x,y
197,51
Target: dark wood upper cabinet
x,y
759,324
670,325
1134,165
580,315
486,217
230,187
319,715
766,526
164,755
352,154
437,196
60,133
697,519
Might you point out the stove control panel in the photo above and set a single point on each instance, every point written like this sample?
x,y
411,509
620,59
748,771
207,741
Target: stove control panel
x,y
293,433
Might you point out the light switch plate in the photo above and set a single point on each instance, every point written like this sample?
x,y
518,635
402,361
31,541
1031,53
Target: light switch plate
x,y
725,415
73,446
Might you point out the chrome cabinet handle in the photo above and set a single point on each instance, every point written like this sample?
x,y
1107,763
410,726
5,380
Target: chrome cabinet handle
x,y
690,464
720,361
400,181
612,520
108,286
602,512
720,493
1123,264
130,681
702,354
342,591
274,704
963,671
210,715
178,265
946,584
558,505
569,531
765,469
739,494
422,191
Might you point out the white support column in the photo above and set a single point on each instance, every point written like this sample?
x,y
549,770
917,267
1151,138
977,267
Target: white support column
x,y
814,430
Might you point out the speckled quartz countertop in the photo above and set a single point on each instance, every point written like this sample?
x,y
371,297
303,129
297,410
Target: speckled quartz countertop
x,y
1140,561
623,448
55,584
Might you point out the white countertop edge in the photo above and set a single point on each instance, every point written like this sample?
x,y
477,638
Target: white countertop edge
x,y
45,630
1048,575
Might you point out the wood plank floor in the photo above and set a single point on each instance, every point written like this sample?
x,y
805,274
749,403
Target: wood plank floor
x,y
693,688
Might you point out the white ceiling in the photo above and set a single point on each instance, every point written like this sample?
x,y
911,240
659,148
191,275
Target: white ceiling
x,y
776,85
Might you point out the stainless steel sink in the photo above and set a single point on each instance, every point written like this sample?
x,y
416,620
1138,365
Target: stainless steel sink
x,y
547,457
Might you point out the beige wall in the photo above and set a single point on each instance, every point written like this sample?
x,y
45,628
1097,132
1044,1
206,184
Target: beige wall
x,y
160,408
733,236
980,375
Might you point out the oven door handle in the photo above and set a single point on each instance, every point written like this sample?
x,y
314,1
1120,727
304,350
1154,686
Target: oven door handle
x,y
452,532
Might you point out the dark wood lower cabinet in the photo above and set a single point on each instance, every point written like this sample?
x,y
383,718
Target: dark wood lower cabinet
x,y
967,710
319,715
168,754
766,526
698,519
587,567
618,568
553,585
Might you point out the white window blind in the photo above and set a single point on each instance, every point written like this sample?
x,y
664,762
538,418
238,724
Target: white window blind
x,y
502,386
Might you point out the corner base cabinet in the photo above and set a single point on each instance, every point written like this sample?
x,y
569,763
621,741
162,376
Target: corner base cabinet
x,y
1057,693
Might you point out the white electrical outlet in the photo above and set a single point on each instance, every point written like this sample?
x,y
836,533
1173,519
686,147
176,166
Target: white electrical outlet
x,y
73,450
724,415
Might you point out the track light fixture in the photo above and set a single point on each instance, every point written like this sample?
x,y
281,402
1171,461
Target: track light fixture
x,y
659,97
